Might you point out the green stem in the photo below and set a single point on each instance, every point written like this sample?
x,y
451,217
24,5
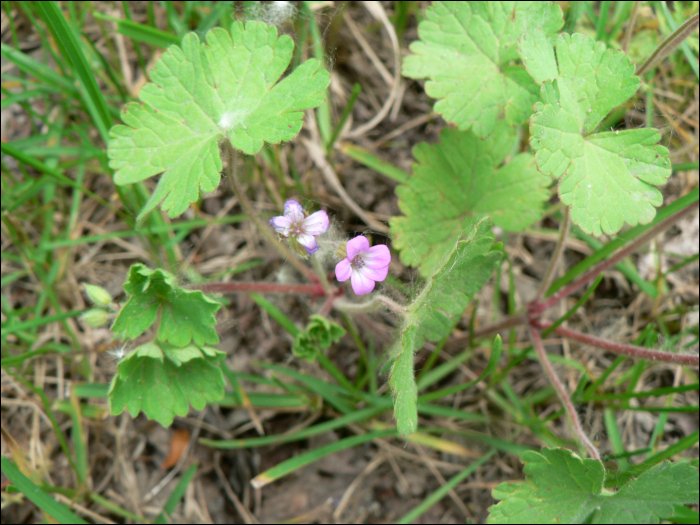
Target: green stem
x,y
374,304
558,251
630,26
320,272
670,44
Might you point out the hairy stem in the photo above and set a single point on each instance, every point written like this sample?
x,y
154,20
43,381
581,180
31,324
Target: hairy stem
x,y
620,348
563,395
374,304
320,272
558,250
670,43
232,287
263,228
630,26
538,307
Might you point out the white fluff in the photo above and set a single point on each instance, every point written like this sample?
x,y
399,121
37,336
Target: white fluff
x,y
229,120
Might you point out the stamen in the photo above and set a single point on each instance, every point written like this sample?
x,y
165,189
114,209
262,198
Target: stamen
x,y
357,262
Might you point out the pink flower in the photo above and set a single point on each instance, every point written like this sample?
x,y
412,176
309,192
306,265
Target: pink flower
x,y
294,225
364,265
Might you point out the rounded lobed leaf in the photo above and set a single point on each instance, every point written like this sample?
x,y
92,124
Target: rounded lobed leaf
x,y
607,178
227,88
561,487
163,381
465,51
456,183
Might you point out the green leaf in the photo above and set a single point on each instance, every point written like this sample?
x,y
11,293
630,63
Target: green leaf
x,y
186,315
560,487
607,178
436,310
457,182
163,381
466,49
203,93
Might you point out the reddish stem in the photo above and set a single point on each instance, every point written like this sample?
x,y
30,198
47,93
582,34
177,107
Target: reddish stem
x,y
308,289
536,308
619,348
563,395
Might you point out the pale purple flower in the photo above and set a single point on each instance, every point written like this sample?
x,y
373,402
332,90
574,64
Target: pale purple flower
x,y
294,225
364,265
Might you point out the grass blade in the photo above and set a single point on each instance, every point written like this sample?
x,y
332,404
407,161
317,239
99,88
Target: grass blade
x,y
37,496
365,158
352,417
274,312
442,491
43,73
297,462
70,48
176,495
141,33
496,348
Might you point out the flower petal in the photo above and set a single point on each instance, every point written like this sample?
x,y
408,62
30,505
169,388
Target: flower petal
x,y
357,245
376,274
343,270
377,257
316,223
307,241
293,211
281,224
361,284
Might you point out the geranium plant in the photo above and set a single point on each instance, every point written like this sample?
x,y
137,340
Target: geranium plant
x,y
500,72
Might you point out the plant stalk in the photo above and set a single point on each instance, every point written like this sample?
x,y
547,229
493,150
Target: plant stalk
x,y
232,287
316,263
563,395
536,308
556,257
670,43
374,304
620,348
630,26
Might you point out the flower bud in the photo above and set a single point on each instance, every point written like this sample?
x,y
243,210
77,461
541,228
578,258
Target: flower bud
x,y
95,317
342,251
298,248
98,295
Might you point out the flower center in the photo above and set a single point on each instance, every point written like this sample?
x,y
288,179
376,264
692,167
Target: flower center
x,y
297,229
357,263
